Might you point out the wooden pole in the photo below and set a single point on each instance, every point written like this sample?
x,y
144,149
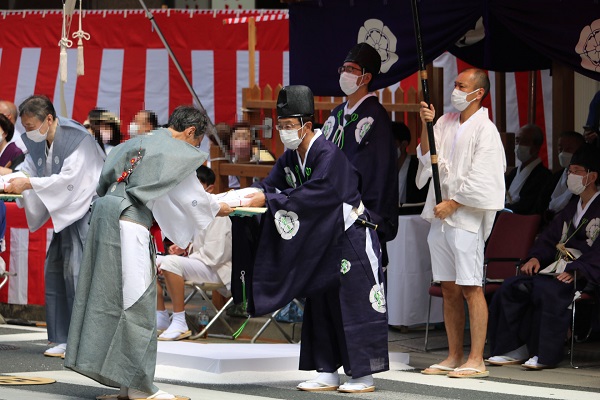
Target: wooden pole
x,y
425,88
532,97
251,51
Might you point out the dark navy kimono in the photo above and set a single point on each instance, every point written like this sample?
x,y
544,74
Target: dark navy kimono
x,y
305,251
533,310
365,136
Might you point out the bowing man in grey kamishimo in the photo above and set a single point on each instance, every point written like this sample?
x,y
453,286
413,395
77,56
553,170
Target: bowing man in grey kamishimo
x,y
113,330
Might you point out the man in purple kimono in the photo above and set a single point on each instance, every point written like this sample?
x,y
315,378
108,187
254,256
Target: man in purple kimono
x,y
529,315
314,244
361,127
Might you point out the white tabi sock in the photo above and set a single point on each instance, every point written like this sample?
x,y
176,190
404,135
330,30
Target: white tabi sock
x,y
330,378
160,395
162,320
366,380
177,327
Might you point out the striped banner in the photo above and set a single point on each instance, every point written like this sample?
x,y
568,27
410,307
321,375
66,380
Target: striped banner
x,y
127,67
25,255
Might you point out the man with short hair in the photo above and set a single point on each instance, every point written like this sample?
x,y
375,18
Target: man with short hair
x,y
471,167
555,195
113,330
143,122
361,128
314,244
524,183
10,111
63,165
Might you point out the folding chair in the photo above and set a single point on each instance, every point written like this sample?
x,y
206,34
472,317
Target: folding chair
x,y
511,238
4,274
202,289
585,297
277,325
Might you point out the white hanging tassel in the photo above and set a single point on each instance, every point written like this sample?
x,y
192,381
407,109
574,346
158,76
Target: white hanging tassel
x,y
64,43
63,63
80,35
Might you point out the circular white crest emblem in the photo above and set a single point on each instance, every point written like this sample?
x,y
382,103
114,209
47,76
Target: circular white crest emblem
x,y
472,36
377,298
70,188
290,178
287,223
375,33
328,127
362,128
588,46
56,160
39,162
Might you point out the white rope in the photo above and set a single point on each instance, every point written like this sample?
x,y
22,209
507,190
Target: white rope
x,y
80,35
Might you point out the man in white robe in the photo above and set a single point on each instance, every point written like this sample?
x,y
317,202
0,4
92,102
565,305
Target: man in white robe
x,y
471,165
209,260
63,164
112,338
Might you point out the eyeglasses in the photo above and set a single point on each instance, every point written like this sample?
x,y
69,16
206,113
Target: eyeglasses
x,y
286,127
577,171
348,68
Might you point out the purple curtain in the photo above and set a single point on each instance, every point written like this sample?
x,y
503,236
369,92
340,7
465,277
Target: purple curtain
x,y
498,35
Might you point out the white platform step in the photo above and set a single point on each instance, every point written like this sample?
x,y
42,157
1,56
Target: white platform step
x,y
221,358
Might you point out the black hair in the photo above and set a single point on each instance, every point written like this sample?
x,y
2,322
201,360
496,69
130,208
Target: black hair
x,y
573,135
206,175
38,106
152,118
7,127
400,131
185,116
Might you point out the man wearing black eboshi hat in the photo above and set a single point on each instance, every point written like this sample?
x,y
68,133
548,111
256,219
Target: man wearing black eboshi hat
x,y
317,241
361,128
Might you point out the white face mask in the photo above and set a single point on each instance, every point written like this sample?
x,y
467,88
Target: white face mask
x,y
134,129
36,136
348,83
105,135
523,153
290,138
575,183
564,159
459,99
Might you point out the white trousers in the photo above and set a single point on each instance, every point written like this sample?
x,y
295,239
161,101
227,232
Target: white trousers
x,y
456,254
190,269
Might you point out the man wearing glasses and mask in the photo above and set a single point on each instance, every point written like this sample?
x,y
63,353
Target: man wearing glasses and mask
x,y
315,243
361,127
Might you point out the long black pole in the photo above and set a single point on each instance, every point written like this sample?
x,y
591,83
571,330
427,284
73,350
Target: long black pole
x,y
423,73
211,127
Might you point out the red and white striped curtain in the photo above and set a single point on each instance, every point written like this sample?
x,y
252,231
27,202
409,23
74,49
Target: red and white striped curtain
x,y
127,67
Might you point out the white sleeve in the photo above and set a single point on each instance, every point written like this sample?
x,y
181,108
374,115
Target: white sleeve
x,y
424,171
183,210
67,195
